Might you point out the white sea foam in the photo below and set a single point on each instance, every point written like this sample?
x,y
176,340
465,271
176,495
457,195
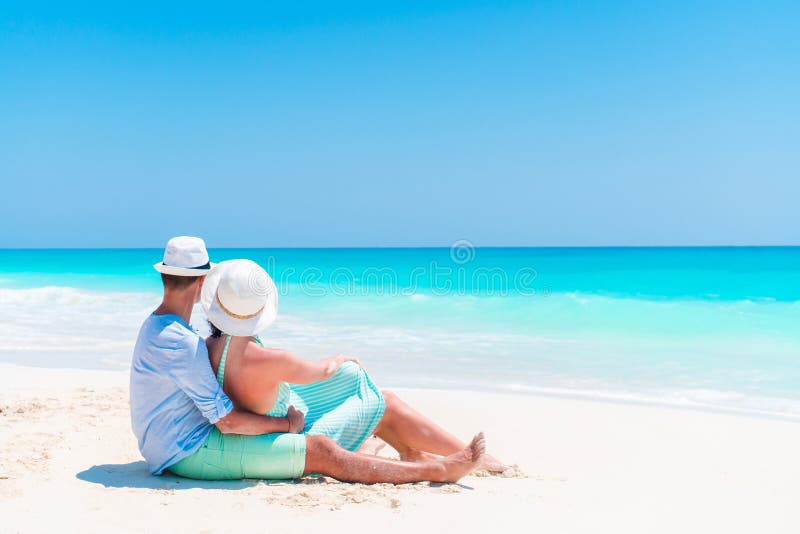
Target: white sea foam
x,y
62,326
442,342
703,399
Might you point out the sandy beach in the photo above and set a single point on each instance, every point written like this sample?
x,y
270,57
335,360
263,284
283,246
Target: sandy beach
x,y
70,463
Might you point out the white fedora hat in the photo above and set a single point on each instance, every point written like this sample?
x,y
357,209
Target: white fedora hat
x,y
185,256
240,298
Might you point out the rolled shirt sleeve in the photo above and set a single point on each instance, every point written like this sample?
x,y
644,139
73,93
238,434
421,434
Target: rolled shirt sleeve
x,y
192,372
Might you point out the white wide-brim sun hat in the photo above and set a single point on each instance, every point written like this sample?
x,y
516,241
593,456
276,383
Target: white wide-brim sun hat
x,y
185,256
240,298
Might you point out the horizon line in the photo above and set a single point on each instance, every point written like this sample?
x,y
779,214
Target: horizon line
x,y
417,247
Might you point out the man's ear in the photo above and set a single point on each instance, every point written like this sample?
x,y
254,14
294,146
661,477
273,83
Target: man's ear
x,y
199,288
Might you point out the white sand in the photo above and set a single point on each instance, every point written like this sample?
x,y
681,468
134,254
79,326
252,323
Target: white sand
x,y
68,462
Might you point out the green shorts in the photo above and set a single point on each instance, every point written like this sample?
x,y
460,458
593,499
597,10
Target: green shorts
x,y
233,456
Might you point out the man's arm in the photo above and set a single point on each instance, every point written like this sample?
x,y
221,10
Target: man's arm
x,y
250,424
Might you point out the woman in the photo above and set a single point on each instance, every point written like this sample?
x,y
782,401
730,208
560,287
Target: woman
x,y
335,395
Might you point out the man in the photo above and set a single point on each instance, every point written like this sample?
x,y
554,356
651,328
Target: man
x,y
175,398
179,408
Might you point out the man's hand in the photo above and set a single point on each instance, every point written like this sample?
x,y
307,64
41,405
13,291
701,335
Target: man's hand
x,y
297,421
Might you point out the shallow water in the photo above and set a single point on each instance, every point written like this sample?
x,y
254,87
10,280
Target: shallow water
x,y
698,327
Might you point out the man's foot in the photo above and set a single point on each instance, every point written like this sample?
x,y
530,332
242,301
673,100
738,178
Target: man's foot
x,y
490,464
465,461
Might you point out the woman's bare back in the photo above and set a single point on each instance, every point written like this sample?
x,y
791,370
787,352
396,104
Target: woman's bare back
x,y
247,380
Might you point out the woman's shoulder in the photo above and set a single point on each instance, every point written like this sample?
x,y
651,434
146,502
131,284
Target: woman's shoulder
x,y
261,354
267,363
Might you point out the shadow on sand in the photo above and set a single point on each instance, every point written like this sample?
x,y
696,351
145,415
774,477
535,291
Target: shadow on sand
x,y
136,475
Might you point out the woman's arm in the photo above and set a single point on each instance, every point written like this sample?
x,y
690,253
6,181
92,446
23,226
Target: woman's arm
x,y
286,367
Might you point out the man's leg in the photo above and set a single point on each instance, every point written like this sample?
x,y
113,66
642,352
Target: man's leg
x,y
235,456
324,456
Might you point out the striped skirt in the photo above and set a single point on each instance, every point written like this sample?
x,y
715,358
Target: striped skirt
x,y
347,407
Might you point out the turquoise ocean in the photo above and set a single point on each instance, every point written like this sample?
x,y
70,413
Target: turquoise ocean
x,y
703,328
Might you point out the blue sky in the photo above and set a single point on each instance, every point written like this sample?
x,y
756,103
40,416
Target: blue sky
x,y
400,123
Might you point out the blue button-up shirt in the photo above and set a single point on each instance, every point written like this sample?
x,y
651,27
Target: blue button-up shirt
x,y
175,397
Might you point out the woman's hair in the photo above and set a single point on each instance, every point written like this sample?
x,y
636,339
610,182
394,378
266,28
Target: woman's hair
x,y
215,332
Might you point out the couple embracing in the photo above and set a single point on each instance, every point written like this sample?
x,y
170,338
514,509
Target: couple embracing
x,y
231,407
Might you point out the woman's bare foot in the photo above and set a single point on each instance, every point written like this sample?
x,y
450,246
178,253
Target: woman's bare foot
x,y
493,465
465,461
413,455
372,446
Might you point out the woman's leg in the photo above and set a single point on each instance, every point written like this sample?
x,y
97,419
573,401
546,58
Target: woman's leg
x,y
324,456
404,428
413,435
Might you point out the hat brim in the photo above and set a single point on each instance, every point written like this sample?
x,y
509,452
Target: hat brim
x,y
231,325
182,271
